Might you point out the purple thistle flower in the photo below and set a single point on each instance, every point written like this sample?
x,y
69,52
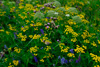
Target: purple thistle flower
x,y
66,61
42,31
51,18
48,23
34,11
47,26
72,50
42,7
58,40
62,60
35,58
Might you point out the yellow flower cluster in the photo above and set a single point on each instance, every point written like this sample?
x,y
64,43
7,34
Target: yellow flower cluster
x,y
97,66
70,21
48,42
15,62
47,48
94,44
34,49
18,50
12,9
62,45
59,18
9,49
21,0
44,39
42,60
95,57
28,7
2,13
98,41
22,17
79,49
5,59
27,21
81,16
85,34
85,47
48,55
66,7
85,21
86,41
7,32
70,30
10,65
38,5
38,24
21,6
11,28
73,39
1,30
70,55
31,36
24,28
36,36
35,54
23,37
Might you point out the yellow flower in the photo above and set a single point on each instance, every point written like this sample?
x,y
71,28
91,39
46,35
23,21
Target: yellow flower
x,y
1,30
9,49
85,47
17,50
86,41
10,65
35,54
42,60
98,41
47,48
5,59
7,32
70,55
79,49
31,36
94,44
15,62
36,36
73,39
34,49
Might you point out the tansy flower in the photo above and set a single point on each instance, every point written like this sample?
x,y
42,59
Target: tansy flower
x,y
98,41
9,49
15,62
73,39
42,60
